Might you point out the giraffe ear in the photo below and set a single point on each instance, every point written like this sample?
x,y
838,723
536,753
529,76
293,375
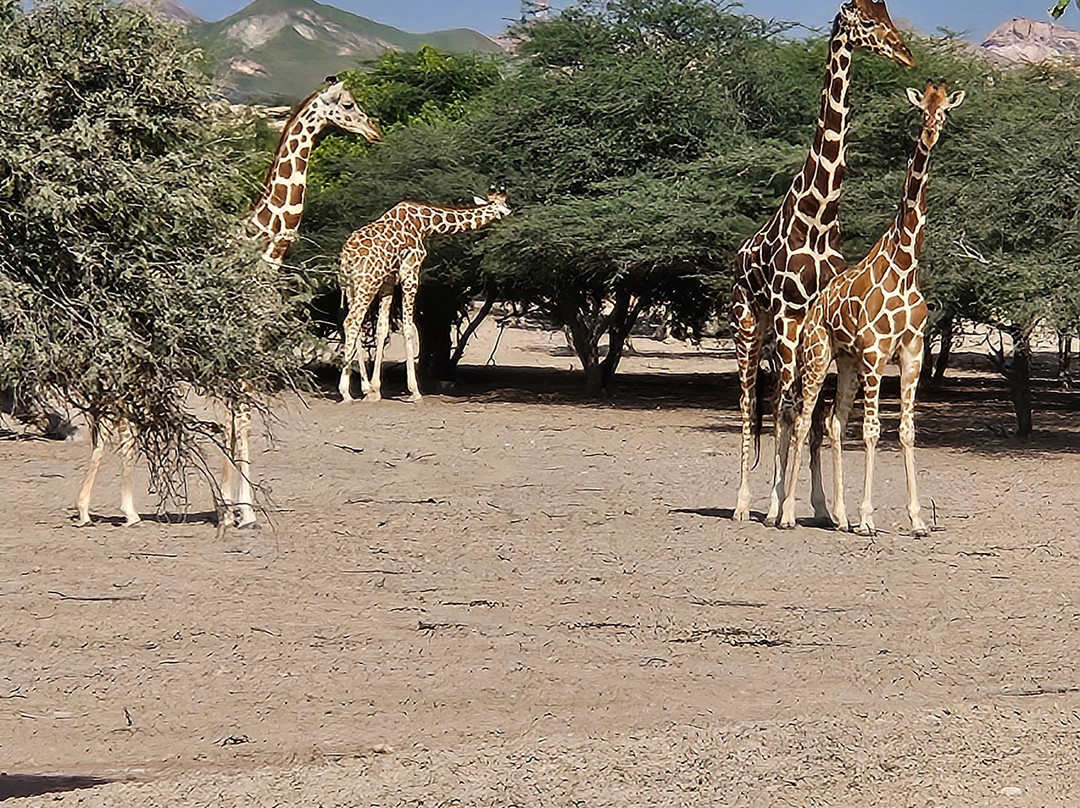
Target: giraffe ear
x,y
331,79
955,100
479,200
914,96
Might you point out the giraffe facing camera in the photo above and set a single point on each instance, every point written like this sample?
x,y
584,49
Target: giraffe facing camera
x,y
780,269
864,317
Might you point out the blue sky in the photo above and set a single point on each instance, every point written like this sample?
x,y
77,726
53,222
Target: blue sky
x,y
975,18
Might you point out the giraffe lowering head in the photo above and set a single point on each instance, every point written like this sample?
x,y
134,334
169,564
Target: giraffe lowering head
x,y
868,26
934,102
337,107
496,198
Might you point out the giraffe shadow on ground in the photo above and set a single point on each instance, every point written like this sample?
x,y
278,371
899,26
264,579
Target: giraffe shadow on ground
x,y
967,411
17,786
755,516
199,518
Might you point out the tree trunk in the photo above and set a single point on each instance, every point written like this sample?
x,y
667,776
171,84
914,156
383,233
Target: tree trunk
x,y
436,312
620,323
575,313
466,335
945,354
1020,380
1064,355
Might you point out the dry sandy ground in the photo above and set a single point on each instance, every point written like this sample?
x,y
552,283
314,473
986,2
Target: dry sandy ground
x,y
506,596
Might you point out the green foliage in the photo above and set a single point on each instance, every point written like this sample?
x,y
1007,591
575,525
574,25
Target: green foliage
x,y
123,276
426,85
1057,10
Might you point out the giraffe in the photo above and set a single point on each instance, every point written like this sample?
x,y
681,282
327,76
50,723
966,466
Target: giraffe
x,y
272,220
863,317
781,268
389,252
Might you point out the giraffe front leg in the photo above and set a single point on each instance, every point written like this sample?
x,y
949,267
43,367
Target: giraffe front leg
x,y
748,338
817,483
82,504
409,284
871,435
814,357
911,360
847,385
352,349
787,343
245,511
373,391
126,439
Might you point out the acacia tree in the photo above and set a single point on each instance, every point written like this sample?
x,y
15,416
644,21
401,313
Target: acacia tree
x,y
123,275
419,100
615,135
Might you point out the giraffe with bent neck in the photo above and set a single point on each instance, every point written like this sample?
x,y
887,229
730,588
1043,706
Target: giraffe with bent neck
x,y
273,220
390,252
782,267
865,316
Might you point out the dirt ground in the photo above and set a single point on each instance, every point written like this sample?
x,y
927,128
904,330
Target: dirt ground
x,y
508,596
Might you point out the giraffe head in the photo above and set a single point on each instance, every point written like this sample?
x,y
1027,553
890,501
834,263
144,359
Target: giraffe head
x,y
496,198
868,26
336,106
934,102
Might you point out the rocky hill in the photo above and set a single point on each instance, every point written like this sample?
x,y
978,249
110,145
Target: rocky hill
x,y
279,50
1022,41
169,10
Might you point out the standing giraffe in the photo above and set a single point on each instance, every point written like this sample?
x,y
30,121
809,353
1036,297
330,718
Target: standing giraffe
x,y
781,268
273,220
865,316
388,252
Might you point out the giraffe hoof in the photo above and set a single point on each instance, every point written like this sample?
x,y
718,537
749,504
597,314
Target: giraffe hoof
x,y
131,523
921,533
249,526
741,515
87,522
867,531
782,525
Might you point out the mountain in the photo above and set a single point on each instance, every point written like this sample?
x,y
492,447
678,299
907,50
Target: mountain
x,y
174,12
281,49
1031,41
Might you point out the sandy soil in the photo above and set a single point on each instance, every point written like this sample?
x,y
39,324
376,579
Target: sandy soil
x,y
508,596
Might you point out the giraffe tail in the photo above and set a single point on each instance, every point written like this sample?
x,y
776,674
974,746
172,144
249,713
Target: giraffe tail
x,y
765,392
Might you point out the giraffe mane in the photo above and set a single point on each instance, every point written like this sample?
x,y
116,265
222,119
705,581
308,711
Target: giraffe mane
x,y
293,115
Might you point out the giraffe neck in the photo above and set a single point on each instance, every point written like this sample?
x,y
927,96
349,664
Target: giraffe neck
x,y
911,219
817,187
279,208
457,220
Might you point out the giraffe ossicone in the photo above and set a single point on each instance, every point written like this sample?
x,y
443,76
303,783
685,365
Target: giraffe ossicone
x,y
387,253
864,317
781,268
273,221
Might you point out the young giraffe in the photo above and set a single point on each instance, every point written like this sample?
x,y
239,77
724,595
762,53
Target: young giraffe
x,y
781,268
863,317
387,252
273,220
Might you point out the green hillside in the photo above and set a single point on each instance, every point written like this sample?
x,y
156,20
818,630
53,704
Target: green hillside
x,y
278,50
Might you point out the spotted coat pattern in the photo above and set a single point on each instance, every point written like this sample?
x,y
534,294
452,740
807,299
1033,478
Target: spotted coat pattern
x,y
782,267
387,253
273,220
864,317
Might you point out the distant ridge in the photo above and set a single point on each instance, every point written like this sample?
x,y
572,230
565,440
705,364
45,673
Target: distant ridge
x,y
1021,41
168,9
279,50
